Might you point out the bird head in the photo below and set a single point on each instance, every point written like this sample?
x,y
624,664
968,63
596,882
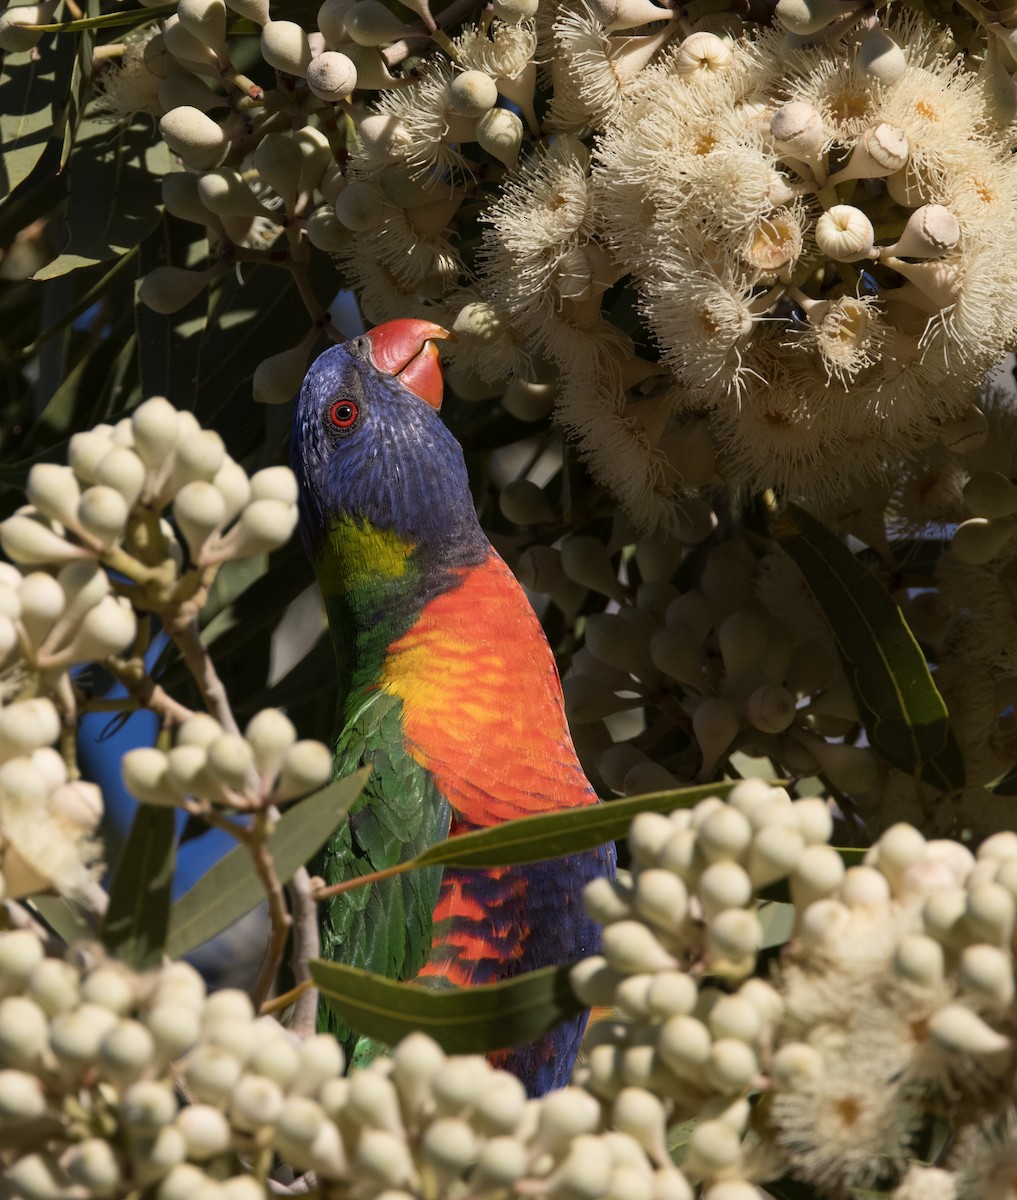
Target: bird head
x,y
368,441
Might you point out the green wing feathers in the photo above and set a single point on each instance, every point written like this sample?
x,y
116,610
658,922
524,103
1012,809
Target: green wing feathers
x,y
383,927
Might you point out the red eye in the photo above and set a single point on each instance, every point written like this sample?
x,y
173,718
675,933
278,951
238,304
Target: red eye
x,y
343,414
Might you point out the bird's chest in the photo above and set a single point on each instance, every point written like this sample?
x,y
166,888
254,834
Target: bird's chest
x,y
482,706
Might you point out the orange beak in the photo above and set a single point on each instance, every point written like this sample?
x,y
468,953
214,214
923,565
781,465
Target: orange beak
x,y
407,350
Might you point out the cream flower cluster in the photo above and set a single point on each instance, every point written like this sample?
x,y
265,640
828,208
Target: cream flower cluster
x,y
47,820
94,1061
266,766
822,240
893,1000
107,507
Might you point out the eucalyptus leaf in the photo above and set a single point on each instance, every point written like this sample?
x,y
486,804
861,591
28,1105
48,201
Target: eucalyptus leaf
x,y
232,888
549,835
462,1020
134,927
34,86
904,715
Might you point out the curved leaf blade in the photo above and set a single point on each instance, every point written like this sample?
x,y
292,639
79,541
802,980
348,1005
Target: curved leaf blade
x,y
550,835
231,888
462,1020
904,715
134,927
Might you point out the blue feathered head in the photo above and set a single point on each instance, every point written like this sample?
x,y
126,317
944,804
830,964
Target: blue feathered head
x,y
368,440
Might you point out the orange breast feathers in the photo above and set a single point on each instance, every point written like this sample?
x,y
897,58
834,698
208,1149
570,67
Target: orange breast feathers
x,y
482,702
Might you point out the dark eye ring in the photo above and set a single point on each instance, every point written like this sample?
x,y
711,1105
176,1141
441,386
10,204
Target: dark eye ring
x,y
343,414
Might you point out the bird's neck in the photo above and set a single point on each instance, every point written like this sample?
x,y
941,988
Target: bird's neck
x,y
375,583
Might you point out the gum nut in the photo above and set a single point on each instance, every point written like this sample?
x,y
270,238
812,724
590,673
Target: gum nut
x,y
450,1144
182,1182
960,1031
42,600
771,708
184,765
735,934
417,1060
256,1102
865,887
24,1032
93,1164
126,1051
199,510
713,1147
233,486
212,1073
648,834
501,1106
205,1131
278,1059
75,1036
264,525
565,1114
155,1156
631,948
193,135
147,1106
108,628
229,1004
732,1066
27,725
21,953
270,733
607,900
630,995
306,765
593,981
671,993
661,899
332,76
84,585
22,1097
156,427
121,469
473,93
360,206
374,1101
103,513
814,819
684,1044
321,1059
35,1176
723,885
986,972
199,730
27,539
501,1162
284,46
231,760
110,987
774,854
175,1028
54,491
144,773
725,834
199,456
53,985
385,1157
461,1082
274,483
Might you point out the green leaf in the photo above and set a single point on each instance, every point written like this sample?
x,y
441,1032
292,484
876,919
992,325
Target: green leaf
x,y
115,196
462,1020
134,928
904,715
115,20
34,89
548,835
231,888
62,917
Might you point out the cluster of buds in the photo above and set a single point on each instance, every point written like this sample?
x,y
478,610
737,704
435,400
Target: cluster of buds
x,y
893,999
266,766
715,659
94,1060
47,820
109,506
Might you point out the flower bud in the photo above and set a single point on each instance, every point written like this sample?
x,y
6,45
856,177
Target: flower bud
x,y
126,1051
205,1130
277,379
284,46
960,1031
473,93
305,766
205,20
54,491
212,1073
21,954
198,140
978,541
630,947
145,775
263,526
147,1106
804,17
370,23
713,1148
332,76
26,725
844,233
199,510
500,132
881,150
30,541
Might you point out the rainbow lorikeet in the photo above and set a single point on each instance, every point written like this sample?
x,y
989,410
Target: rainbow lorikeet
x,y
446,685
